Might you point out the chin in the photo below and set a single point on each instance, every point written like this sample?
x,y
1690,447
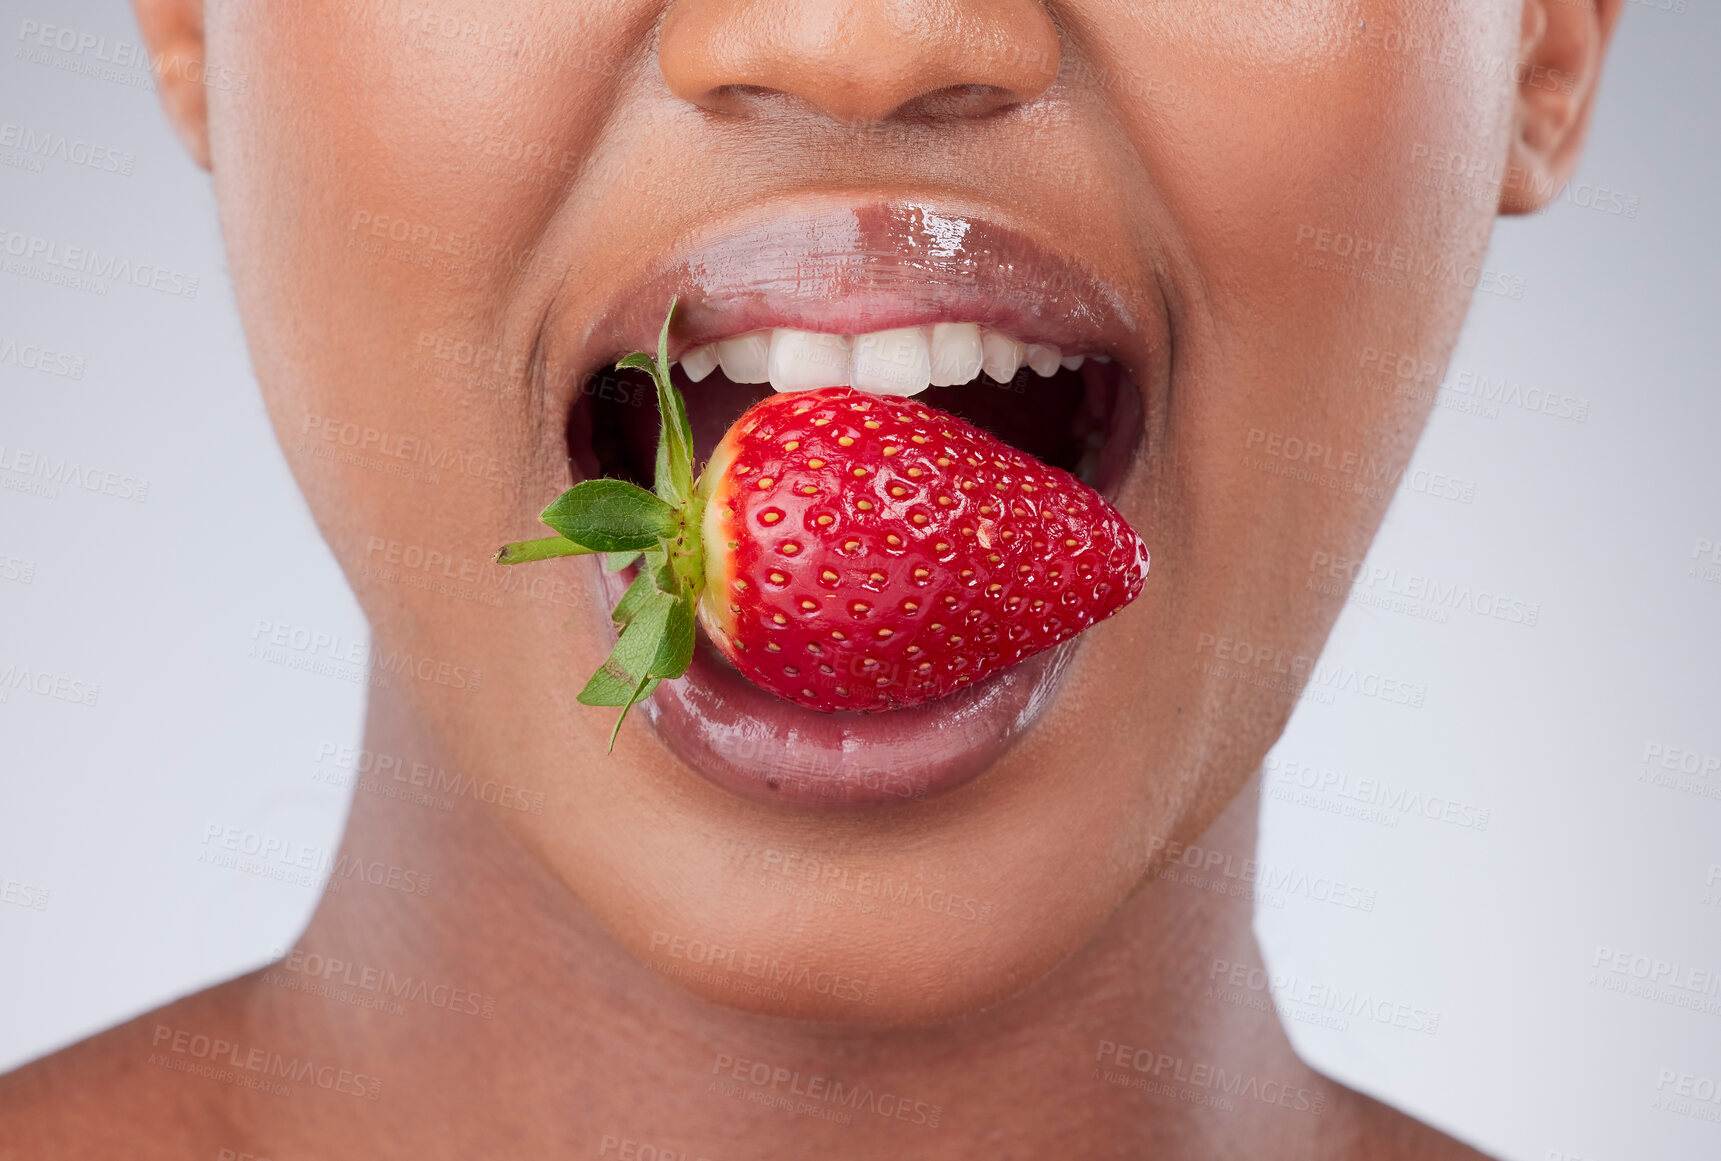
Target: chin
x,y
920,914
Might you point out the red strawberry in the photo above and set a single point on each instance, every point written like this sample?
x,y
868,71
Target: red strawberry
x,y
843,550
867,552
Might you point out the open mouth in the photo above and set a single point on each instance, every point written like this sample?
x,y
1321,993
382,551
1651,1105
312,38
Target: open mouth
x,y
1050,381
1080,412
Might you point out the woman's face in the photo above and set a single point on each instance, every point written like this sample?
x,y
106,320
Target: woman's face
x,y
446,219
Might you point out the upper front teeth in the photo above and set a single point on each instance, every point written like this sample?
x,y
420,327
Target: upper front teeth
x,y
956,353
745,359
897,362
1000,355
804,360
902,361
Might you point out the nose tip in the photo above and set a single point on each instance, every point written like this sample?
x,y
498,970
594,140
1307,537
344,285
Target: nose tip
x,y
859,61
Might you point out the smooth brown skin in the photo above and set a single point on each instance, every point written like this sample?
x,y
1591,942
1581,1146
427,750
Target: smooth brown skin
x,y
1260,121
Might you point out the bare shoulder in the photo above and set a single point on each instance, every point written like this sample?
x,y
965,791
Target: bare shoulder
x,y
126,1092
1360,1126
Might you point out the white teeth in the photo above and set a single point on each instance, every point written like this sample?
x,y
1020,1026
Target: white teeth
x,y
902,361
1001,355
895,362
805,361
699,362
1043,358
957,353
746,358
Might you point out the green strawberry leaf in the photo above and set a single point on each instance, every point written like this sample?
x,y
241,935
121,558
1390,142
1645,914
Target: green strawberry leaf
x,y
522,551
674,654
610,686
675,649
616,561
634,652
675,442
674,416
675,434
638,593
610,516
640,693
639,361
674,646
663,572
656,642
663,335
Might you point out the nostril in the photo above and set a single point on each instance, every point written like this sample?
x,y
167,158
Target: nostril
x,y
959,101
858,61
953,102
742,100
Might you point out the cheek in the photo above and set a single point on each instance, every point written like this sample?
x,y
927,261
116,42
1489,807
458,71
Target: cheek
x,y
389,188
1308,245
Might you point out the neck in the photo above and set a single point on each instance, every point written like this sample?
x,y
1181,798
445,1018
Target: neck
x,y
586,1043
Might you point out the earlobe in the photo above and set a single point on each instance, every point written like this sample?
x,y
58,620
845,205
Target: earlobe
x,y
1561,47
173,30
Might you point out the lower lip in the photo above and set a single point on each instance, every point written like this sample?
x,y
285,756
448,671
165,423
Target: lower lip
x,y
761,747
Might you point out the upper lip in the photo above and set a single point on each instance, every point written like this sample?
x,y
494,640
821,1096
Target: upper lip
x,y
838,266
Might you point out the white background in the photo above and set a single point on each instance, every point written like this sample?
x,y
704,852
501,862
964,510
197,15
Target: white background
x,y
1498,931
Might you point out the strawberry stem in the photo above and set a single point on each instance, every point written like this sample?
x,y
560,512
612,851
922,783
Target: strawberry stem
x,y
548,548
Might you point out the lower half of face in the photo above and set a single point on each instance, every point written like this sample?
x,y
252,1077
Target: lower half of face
x,y
1191,260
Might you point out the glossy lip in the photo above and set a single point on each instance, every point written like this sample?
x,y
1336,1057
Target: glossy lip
x,y
832,265
829,265
757,745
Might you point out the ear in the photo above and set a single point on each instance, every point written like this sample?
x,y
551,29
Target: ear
x,y
1560,49
173,30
